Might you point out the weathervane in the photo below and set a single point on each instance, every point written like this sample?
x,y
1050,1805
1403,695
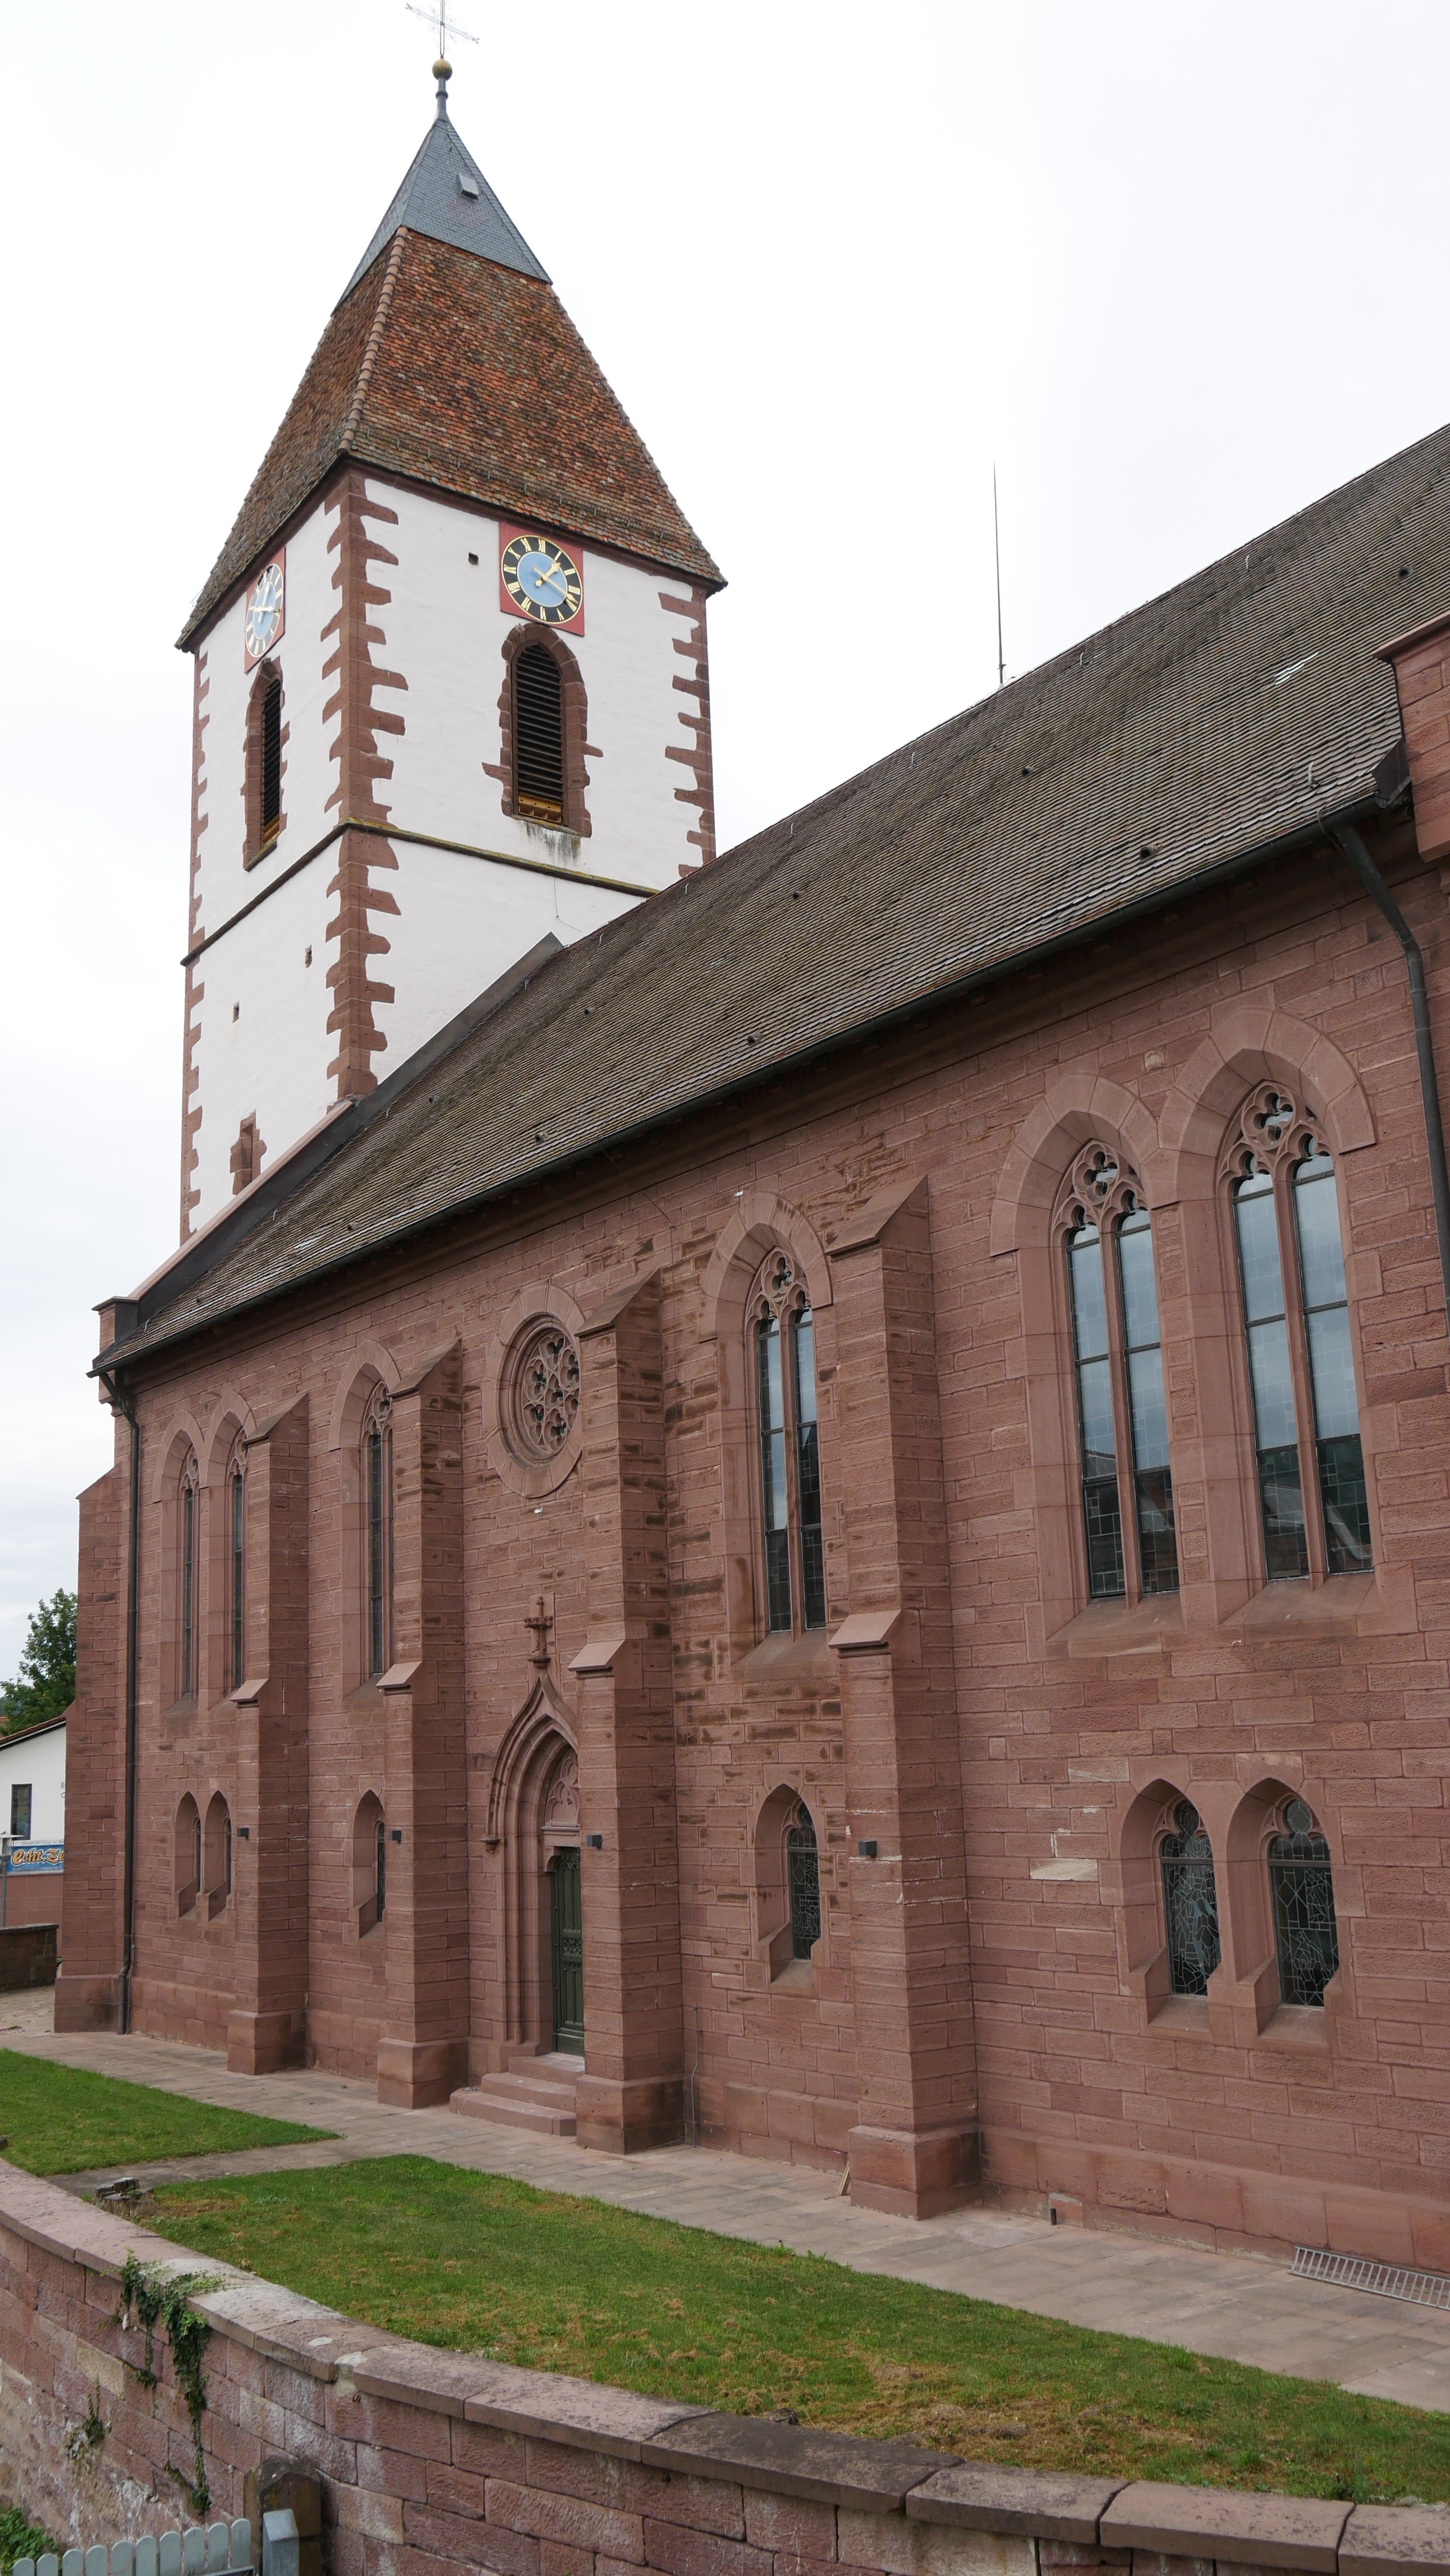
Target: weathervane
x,y
447,28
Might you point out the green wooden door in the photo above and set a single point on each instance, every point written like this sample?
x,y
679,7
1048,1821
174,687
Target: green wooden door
x,y
567,1922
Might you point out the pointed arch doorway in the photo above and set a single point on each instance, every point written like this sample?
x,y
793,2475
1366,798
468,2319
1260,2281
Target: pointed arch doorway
x,y
566,1908
534,1816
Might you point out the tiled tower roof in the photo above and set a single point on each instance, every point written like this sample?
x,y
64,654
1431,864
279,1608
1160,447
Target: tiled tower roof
x,y
451,360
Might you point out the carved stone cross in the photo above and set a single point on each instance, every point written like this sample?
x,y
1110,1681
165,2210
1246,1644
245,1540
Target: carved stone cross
x,y
540,1623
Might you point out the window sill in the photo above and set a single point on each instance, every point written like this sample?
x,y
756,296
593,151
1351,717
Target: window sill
x,y
1302,2029
1297,1607
1139,1628
797,1658
1180,2017
797,1977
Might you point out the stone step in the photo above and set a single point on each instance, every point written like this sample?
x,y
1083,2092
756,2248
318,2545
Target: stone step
x,y
519,2102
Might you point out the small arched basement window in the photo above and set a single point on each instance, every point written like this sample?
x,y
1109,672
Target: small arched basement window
x,y
187,1854
216,1855
1190,1902
538,706
1301,1884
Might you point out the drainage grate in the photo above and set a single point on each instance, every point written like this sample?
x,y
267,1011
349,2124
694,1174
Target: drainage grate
x,y
1358,2272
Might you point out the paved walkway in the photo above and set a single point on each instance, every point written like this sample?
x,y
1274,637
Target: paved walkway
x,y
1239,2306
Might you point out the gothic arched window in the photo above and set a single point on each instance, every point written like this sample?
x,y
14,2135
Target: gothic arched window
x,y
369,1864
377,1486
1313,1501
1301,1890
1190,1902
216,1855
538,736
188,1536
1118,1365
783,1337
804,1876
236,1525
187,1854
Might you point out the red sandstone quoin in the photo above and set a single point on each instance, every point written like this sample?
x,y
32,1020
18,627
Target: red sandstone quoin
x,y
832,1510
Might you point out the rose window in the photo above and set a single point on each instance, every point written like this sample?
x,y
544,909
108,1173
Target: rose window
x,y
543,1393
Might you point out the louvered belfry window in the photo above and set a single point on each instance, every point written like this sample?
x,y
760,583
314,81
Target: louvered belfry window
x,y
271,760
538,736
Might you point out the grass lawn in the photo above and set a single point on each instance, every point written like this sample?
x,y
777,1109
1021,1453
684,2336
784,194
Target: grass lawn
x,y
482,2264
58,2119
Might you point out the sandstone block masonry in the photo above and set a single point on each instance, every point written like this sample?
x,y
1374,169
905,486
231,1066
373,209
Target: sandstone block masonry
x,y
431,2460
580,1659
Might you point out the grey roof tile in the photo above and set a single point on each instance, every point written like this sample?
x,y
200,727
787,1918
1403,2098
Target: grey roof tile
x,y
1219,718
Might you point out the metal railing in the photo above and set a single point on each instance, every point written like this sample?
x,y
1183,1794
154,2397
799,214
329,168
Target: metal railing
x,y
219,2549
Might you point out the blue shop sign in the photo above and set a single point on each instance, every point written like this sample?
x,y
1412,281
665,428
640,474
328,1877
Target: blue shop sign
x,y
36,1860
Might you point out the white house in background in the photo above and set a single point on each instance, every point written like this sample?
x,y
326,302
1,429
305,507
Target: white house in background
x,y
32,1784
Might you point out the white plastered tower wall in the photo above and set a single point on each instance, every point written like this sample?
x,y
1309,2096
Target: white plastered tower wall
x,y
258,1041
480,887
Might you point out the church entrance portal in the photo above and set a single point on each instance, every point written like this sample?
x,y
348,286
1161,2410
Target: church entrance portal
x,y
566,1915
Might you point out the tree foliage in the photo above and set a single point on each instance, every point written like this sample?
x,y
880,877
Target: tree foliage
x,y
46,1682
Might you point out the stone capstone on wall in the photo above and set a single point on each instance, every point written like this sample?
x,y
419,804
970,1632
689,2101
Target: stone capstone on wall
x,y
433,2459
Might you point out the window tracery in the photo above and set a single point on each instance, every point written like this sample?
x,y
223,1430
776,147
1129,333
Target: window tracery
x,y
541,1393
788,1432
1313,1500
1118,1370
377,1464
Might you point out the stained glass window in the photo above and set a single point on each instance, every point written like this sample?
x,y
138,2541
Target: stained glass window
x,y
1301,1884
803,1868
1190,1902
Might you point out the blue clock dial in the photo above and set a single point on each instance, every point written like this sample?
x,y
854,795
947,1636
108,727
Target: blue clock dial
x,y
542,581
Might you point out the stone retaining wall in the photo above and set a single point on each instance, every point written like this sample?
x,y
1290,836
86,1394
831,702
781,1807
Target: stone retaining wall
x,y
432,2460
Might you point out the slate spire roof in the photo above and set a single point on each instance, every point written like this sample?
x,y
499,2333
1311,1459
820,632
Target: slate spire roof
x,y
450,360
445,195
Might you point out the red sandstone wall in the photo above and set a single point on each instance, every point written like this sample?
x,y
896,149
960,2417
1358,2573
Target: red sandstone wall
x,y
1329,2127
430,2460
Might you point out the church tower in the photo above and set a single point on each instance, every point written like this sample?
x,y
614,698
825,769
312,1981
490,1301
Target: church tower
x,y
451,692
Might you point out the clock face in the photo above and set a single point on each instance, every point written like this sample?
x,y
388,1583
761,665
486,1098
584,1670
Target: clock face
x,y
264,611
542,581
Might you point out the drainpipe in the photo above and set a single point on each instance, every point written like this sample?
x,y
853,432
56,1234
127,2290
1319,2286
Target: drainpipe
x,y
1348,841
123,1405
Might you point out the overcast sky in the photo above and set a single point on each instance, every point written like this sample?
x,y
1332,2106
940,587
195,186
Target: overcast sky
x,y
1177,270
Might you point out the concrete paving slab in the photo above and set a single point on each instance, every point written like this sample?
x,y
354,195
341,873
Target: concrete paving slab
x,y
1239,2307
